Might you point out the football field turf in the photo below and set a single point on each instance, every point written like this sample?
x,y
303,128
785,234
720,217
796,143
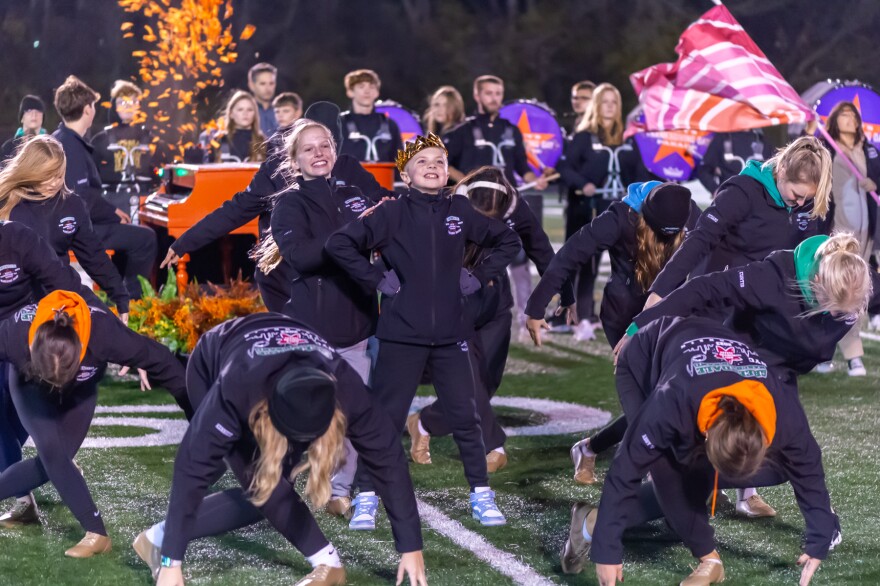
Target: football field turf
x,y
535,491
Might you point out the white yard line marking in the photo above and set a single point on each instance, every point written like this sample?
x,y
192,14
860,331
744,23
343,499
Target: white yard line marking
x,y
501,561
870,336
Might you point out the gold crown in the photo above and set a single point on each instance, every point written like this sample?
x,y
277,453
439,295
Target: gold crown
x,y
417,145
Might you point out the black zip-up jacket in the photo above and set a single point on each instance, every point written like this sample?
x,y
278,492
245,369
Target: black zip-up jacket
x,y
29,268
465,156
536,244
674,363
64,223
111,164
82,177
369,125
582,164
742,145
742,225
422,238
246,357
613,230
767,306
322,294
110,341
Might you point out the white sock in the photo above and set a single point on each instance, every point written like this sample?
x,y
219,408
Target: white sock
x,y
367,493
326,557
156,534
26,499
500,450
422,429
744,494
479,489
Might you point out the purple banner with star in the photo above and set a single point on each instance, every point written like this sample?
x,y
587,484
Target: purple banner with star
x,y
865,99
673,154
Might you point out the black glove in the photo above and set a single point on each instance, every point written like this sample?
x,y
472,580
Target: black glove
x,y
468,283
390,284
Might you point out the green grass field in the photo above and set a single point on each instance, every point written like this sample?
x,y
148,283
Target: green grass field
x,y
131,487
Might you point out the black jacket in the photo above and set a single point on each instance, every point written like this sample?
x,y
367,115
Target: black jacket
x,y
581,163
623,298
245,357
674,363
465,156
110,341
370,125
322,294
29,268
742,225
64,223
767,306
422,238
111,163
82,175
714,170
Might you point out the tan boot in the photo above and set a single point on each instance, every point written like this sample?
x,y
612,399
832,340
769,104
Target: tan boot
x,y
323,576
340,506
421,442
20,514
577,547
754,507
584,465
495,461
710,571
149,553
89,545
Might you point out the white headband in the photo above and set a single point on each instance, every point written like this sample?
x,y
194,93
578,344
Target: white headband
x,y
463,190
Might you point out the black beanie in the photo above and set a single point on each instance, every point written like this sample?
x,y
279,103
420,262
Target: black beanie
x,y
303,403
30,102
667,208
327,113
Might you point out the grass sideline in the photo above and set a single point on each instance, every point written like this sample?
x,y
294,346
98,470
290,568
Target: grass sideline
x,y
535,491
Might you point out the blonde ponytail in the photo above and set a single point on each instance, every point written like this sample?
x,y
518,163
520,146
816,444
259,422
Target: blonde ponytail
x,y
323,455
842,284
806,160
266,253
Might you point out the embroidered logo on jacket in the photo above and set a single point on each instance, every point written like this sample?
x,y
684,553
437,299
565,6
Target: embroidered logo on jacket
x,y
356,204
86,372
712,355
67,225
281,339
803,220
9,273
453,225
26,313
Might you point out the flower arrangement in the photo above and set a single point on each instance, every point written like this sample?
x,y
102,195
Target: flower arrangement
x,y
177,321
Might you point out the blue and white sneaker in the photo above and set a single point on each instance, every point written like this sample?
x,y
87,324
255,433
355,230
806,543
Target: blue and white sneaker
x,y
484,509
364,516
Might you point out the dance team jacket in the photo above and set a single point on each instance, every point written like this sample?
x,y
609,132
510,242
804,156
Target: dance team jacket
x,y
675,363
247,355
422,239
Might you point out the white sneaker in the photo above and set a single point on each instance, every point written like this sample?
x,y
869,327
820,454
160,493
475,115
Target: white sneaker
x,y
856,367
824,367
584,331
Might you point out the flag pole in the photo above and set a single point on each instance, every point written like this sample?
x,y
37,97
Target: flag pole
x,y
846,160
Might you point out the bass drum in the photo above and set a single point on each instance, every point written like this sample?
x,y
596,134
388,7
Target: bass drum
x,y
672,155
824,95
542,135
407,120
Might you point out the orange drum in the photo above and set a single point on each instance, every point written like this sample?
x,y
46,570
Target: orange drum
x,y
383,172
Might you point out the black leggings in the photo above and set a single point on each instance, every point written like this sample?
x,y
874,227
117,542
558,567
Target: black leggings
x,y
489,350
399,369
12,432
58,427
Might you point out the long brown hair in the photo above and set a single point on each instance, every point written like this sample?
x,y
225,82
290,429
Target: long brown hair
x,y
258,139
488,201
592,120
39,159
735,443
652,252
55,352
323,455
834,127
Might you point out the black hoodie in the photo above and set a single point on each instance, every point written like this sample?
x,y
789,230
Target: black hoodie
x,y
245,357
674,363
322,294
422,238
742,225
